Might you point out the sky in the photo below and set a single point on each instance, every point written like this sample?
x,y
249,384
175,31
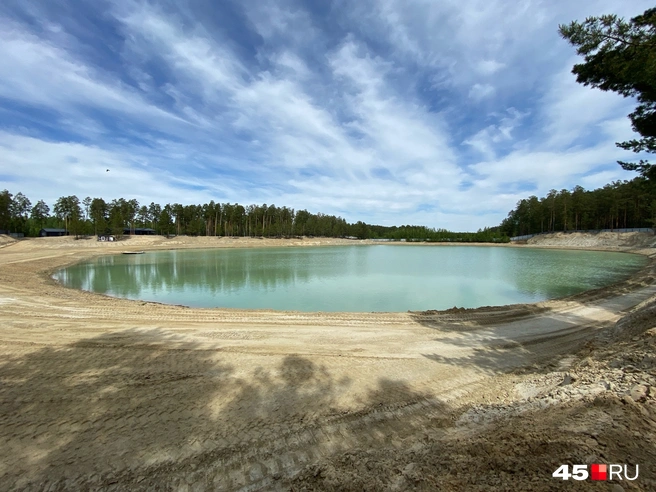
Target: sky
x,y
438,113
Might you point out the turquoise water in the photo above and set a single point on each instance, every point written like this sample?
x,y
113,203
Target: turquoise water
x,y
351,278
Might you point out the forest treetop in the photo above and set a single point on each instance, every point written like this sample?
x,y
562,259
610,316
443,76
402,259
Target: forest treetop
x,y
97,216
621,204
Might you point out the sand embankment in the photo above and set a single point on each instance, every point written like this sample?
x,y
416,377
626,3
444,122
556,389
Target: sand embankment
x,y
602,240
6,240
104,393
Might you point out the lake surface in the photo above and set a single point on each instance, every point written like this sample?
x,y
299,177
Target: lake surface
x,y
351,278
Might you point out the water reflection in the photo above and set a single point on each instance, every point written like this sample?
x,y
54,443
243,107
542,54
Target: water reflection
x,y
548,274
358,278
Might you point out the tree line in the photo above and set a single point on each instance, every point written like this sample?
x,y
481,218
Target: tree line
x,y
97,216
621,204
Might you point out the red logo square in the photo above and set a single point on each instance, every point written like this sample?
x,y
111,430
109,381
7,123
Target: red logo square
x,y
598,472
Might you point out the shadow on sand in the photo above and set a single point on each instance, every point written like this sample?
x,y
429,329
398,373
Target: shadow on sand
x,y
144,410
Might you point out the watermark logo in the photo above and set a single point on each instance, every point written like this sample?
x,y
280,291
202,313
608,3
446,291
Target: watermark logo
x,y
599,472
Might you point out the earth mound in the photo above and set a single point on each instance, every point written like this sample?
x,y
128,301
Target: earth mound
x,y
601,240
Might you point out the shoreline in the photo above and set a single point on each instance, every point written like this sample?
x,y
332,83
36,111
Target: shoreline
x,y
85,252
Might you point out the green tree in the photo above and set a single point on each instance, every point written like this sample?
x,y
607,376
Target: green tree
x,y
20,210
117,211
164,220
98,210
143,216
21,206
40,212
6,205
67,208
621,204
130,212
86,203
620,56
154,211
177,211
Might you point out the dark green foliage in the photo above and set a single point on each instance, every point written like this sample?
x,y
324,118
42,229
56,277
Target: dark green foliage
x,y
620,56
216,219
67,209
622,204
6,206
98,212
40,212
414,233
164,221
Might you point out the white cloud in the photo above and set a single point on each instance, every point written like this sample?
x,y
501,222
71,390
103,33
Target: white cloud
x,y
487,139
573,112
40,74
51,169
549,169
489,67
481,91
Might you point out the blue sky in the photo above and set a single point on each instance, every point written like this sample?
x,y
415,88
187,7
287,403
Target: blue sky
x,y
442,113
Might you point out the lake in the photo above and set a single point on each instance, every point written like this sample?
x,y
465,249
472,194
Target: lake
x,y
351,278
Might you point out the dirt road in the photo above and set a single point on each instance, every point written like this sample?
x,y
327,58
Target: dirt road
x,y
97,392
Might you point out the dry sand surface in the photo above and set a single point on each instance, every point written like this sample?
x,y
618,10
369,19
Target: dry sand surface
x,y
98,393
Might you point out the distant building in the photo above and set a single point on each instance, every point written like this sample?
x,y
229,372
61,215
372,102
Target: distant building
x,y
47,232
139,231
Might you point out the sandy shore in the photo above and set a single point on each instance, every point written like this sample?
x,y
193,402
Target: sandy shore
x,y
97,392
